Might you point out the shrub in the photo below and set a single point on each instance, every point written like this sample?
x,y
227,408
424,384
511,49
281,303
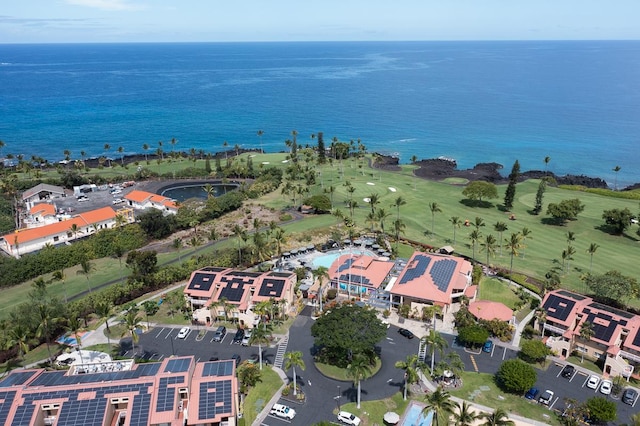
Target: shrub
x,y
516,376
332,293
473,335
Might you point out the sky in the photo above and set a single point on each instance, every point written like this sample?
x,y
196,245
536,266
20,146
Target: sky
x,y
78,21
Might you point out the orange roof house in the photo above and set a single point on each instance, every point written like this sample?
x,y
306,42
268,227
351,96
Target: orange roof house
x,y
41,214
28,240
359,273
145,200
489,310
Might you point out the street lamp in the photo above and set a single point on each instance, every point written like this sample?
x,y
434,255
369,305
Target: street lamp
x,y
338,398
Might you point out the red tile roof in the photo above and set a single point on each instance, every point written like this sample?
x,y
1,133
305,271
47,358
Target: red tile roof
x,y
43,209
488,310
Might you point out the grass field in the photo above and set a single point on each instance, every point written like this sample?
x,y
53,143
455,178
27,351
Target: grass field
x,y
260,395
497,291
372,412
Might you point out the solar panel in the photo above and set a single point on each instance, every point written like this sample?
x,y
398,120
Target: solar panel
x,y
234,288
140,412
346,265
215,399
441,273
88,412
213,269
420,264
218,368
558,307
166,396
202,281
178,365
17,378
571,295
6,399
280,274
618,312
636,339
271,287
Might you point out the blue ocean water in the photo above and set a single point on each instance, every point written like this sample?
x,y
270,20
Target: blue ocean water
x,y
575,101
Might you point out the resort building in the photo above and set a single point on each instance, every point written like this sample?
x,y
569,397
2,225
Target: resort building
x,y
359,274
615,334
176,391
431,279
226,293
28,240
42,192
142,200
41,214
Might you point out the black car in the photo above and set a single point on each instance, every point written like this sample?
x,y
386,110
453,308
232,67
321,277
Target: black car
x,y
236,358
629,396
237,339
214,358
567,371
220,333
406,333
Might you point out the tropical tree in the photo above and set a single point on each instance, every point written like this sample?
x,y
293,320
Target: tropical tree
x,y
465,416
547,159
132,322
75,230
593,247
399,202
359,369
47,321
435,343
74,326
399,227
18,335
107,147
412,367
439,401
586,333
86,268
261,335
513,243
434,208
291,361
616,169
145,148
150,308
456,223
474,236
382,215
319,274
260,133
489,246
524,234
103,310
498,418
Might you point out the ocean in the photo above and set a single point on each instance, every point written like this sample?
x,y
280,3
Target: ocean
x,y
577,102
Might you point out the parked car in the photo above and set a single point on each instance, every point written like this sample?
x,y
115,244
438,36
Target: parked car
x,y
546,397
488,346
237,338
247,337
214,358
567,371
532,393
82,199
348,418
629,396
593,381
605,387
253,359
236,358
118,201
183,332
220,333
283,411
406,333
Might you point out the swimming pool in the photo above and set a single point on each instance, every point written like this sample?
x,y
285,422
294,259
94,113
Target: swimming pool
x,y
414,416
328,259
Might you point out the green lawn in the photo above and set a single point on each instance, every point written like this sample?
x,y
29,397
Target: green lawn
x,y
260,395
498,291
493,397
372,412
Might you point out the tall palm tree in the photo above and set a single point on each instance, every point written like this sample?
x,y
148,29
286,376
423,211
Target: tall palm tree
x,y
47,322
238,231
399,227
546,164
513,243
399,202
132,322
261,335
593,247
121,152
465,416
59,275
74,325
359,369
498,418
478,223
570,251
439,401
145,148
434,208
456,223
411,366
500,227
435,343
489,246
75,230
260,134
474,236
525,233
103,310
374,200
18,335
291,361
319,274
86,267
382,215
586,333
210,190
616,169
107,147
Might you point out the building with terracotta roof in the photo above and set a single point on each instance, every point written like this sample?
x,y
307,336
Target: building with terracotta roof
x,y
488,310
142,200
616,333
241,291
431,279
359,274
41,214
28,240
176,391
42,192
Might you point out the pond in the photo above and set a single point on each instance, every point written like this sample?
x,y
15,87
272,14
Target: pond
x,y
182,192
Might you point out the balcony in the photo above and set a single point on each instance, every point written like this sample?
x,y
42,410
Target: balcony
x,y
554,329
629,355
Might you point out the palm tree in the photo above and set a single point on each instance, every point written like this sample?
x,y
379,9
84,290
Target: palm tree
x,y
107,147
374,199
121,152
103,310
399,226
500,227
474,236
75,230
150,308
145,148
261,335
439,401
616,169
238,231
435,342
434,208
592,250
319,274
411,366
47,322
513,243
18,336
210,190
570,251
132,322
456,222
465,416
59,275
571,237
478,223
399,202
586,333
86,268
260,134
381,214
359,369
497,418
291,361
489,246
546,164
525,233
74,326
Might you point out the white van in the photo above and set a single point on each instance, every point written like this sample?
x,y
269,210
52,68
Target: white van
x,y
283,411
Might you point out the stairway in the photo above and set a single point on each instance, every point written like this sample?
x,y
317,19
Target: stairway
x,y
282,348
422,351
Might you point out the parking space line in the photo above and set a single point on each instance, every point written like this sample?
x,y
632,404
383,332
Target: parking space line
x,y
473,361
159,333
554,401
504,354
168,334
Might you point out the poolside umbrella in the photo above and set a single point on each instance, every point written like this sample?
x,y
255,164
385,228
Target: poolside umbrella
x,y
391,418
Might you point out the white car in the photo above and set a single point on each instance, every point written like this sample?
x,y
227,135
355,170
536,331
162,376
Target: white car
x,y
283,411
605,387
183,333
118,201
593,381
247,337
348,418
546,397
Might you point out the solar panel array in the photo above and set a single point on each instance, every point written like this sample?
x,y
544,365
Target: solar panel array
x,y
213,269
234,288
618,312
280,274
441,273
571,295
178,365
245,274
166,397
271,287
601,331
418,269
218,368
202,281
6,399
636,339
354,279
346,265
88,412
215,399
558,307
17,378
